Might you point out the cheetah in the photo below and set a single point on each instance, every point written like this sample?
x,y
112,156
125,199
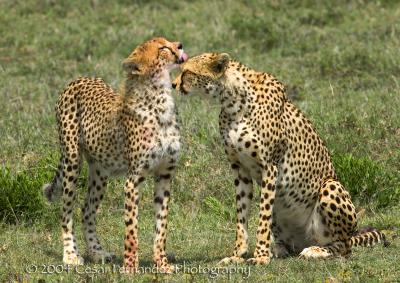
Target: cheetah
x,y
134,134
267,139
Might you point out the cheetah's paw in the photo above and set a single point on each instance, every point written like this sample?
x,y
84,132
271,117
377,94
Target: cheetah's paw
x,y
261,260
231,260
314,252
73,259
166,268
131,263
100,256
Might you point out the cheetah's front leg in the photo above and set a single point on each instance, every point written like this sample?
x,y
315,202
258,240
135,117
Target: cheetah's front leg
x,y
161,200
244,195
131,259
262,254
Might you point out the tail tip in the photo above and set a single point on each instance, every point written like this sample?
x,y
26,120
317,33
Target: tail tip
x,y
48,192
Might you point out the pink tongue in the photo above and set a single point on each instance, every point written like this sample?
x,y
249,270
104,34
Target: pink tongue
x,y
184,57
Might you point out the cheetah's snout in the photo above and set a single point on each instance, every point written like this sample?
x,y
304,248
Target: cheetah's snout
x,y
182,58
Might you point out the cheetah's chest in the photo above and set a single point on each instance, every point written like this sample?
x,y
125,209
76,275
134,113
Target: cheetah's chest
x,y
165,148
237,138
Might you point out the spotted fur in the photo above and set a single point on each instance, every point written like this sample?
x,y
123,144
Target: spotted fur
x,y
134,134
269,140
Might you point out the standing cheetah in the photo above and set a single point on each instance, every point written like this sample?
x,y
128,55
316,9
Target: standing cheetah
x,y
268,139
134,133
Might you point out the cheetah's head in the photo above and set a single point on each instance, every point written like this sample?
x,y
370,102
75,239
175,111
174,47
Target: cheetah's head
x,y
154,58
202,74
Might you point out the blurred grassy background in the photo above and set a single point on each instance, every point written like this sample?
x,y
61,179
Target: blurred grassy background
x,y
340,61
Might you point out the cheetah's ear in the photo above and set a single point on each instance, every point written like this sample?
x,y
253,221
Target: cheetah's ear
x,y
132,66
219,65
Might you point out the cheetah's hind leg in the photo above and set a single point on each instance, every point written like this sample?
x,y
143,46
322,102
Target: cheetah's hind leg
x,y
332,223
97,183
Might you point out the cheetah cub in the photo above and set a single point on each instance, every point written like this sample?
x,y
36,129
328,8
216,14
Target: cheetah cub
x,y
133,134
269,140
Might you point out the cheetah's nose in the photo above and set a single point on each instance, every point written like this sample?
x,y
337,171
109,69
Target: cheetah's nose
x,y
174,85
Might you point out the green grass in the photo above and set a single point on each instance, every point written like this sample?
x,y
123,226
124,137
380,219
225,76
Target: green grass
x,y
339,60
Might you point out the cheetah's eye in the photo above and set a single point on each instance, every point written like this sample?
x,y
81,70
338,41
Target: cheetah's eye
x,y
165,48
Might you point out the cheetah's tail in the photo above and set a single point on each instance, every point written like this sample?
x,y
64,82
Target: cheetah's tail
x,y
367,237
53,190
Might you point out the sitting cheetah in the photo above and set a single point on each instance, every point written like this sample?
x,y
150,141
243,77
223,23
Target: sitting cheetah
x,y
134,134
268,139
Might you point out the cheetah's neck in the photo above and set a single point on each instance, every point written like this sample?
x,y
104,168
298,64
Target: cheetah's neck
x,y
242,87
235,95
144,99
